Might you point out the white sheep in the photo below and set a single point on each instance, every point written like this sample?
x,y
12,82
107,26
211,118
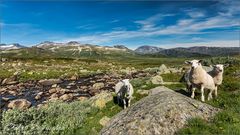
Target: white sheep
x,y
124,91
217,75
199,78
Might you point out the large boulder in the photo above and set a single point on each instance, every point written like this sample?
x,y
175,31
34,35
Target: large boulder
x,y
163,112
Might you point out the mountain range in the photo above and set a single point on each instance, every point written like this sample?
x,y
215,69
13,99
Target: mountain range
x,y
76,49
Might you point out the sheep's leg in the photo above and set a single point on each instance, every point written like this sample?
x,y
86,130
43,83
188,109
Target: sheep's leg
x,y
210,95
193,92
215,91
202,94
124,104
118,98
129,101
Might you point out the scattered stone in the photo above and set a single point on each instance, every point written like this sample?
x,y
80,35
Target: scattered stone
x,y
9,81
66,97
49,82
54,86
14,93
101,99
98,86
104,121
53,90
157,79
82,98
143,92
53,97
39,95
163,69
5,99
19,104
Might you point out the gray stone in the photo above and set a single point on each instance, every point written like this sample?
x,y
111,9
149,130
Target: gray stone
x,y
49,82
157,79
19,104
162,113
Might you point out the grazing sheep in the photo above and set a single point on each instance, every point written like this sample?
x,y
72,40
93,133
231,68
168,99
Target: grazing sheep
x,y
217,75
200,79
124,91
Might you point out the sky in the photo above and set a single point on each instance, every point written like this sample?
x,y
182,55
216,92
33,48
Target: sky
x,y
130,23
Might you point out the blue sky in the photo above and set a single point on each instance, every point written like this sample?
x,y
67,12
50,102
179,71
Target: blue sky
x,y
158,23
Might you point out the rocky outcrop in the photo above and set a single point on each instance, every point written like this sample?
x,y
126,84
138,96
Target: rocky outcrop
x,y
163,112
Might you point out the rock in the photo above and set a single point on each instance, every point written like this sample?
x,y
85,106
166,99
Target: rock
x,y
98,86
163,69
163,113
54,86
53,97
9,81
82,98
5,99
19,104
66,97
48,82
54,90
12,92
104,120
73,78
39,95
157,79
143,92
101,99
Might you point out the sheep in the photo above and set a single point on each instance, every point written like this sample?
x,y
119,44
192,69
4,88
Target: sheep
x,y
199,78
217,74
124,91
185,79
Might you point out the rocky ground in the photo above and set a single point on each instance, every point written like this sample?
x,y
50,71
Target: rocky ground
x,y
36,93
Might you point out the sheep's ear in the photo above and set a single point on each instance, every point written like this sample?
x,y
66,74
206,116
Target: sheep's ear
x,y
226,65
187,62
200,61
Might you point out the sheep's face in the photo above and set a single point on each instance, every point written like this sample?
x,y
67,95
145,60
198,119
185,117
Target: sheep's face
x,y
218,68
194,63
126,84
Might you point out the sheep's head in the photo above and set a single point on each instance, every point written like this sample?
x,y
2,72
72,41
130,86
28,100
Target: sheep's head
x,y
219,67
194,63
126,84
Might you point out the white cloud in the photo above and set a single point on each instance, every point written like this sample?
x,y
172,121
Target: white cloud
x,y
195,14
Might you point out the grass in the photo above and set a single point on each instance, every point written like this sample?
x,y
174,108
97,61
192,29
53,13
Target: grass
x,y
81,118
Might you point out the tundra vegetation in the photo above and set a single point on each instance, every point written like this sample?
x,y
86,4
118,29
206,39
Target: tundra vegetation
x,y
81,117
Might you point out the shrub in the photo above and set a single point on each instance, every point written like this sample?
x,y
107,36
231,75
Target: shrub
x,y
56,118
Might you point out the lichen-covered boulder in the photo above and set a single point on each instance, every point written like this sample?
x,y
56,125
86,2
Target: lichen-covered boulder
x,y
163,112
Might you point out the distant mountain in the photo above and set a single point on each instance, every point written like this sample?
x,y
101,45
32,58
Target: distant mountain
x,y
76,49
68,50
10,46
120,47
189,52
148,50
200,51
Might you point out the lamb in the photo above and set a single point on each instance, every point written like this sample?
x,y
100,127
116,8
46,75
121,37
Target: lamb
x,y
217,74
124,91
200,79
